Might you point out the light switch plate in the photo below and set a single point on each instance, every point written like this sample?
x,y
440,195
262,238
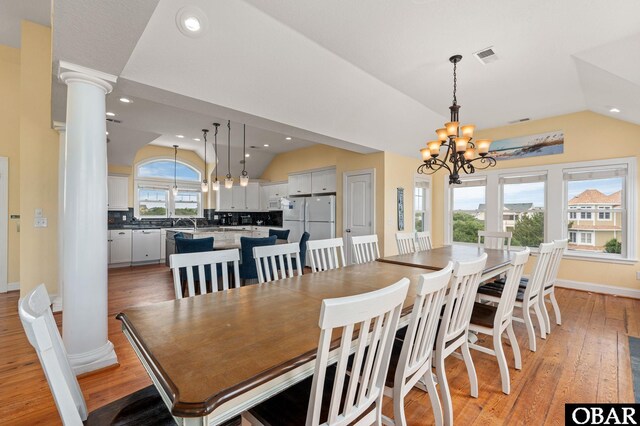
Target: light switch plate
x,y
40,222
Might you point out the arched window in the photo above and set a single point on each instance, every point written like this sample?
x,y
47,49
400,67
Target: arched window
x,y
154,197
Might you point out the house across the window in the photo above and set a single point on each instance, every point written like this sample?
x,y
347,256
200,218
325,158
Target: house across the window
x,y
587,233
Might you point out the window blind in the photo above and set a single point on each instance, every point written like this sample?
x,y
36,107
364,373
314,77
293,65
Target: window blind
x,y
604,173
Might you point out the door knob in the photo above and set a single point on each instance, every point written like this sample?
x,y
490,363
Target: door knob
x,y
347,230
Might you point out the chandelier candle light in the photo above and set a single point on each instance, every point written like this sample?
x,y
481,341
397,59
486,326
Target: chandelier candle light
x,y
175,171
216,183
244,177
228,180
205,182
460,150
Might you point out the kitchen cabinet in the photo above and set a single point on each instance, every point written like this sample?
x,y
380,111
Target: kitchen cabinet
x,y
163,245
120,247
300,184
225,199
280,190
146,245
252,197
118,193
239,198
323,181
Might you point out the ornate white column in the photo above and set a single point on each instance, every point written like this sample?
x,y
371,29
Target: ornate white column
x,y
62,154
85,257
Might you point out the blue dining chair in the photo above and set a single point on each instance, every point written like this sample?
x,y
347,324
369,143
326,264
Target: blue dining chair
x,y
194,245
281,234
303,250
248,270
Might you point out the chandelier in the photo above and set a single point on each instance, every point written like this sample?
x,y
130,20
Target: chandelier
x,y
460,151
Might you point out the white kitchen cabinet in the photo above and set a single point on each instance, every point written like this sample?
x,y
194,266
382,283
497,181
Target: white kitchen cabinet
x,y
163,244
323,181
146,245
118,193
252,197
300,184
238,198
225,199
120,247
280,190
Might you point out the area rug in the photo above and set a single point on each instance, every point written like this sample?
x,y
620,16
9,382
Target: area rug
x,y
634,350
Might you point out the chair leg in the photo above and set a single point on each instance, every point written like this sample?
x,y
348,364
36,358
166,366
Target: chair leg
x,y
444,390
471,370
545,314
541,321
515,347
526,315
556,307
502,361
398,406
433,396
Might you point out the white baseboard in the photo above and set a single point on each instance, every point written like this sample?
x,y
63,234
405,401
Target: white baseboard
x,y
600,288
56,302
13,286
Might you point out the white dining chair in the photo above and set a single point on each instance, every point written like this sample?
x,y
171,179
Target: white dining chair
x,y
277,262
527,298
334,396
197,267
494,240
325,254
454,327
548,289
365,248
414,352
406,242
495,320
423,241
42,332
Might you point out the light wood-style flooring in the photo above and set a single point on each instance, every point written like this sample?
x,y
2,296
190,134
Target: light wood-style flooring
x,y
584,360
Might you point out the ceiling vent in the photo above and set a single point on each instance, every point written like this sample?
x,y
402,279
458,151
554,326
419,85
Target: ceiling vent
x,y
114,120
486,56
521,120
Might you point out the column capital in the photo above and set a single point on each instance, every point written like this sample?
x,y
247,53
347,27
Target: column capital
x,y
78,77
59,126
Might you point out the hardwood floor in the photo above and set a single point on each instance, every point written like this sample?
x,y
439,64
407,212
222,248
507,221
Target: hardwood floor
x,y
584,360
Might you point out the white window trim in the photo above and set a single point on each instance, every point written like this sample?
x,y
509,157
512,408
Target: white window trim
x,y
448,206
428,207
555,206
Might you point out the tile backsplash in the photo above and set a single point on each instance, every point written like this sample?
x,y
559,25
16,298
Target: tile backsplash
x,y
211,218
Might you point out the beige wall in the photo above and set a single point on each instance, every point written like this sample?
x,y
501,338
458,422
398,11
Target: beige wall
x,y
10,148
588,136
399,172
39,168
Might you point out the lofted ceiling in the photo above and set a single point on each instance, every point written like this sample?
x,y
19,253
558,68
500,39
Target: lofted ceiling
x,y
361,76
14,11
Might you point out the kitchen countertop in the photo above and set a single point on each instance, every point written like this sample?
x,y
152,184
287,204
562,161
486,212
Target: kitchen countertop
x,y
182,228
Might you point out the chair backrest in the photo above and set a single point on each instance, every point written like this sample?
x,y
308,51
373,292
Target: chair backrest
x,y
423,241
376,312
274,262
406,242
365,248
42,332
423,326
559,247
494,239
303,250
281,234
326,254
193,245
460,299
210,264
248,268
540,272
507,301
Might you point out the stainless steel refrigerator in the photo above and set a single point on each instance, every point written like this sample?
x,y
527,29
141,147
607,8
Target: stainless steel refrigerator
x,y
315,215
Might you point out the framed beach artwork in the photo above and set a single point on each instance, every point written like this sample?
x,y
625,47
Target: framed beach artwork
x,y
549,143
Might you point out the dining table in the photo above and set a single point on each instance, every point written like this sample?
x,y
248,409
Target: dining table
x,y
213,356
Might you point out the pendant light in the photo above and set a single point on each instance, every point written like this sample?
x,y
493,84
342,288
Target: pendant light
x,y
244,177
228,180
216,183
205,182
175,171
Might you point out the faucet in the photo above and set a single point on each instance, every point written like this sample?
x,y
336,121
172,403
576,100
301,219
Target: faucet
x,y
193,220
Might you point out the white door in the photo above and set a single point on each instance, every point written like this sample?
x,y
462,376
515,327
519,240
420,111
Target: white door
x,y
358,207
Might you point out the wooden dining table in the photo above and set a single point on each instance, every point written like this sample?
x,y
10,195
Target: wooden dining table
x,y
216,355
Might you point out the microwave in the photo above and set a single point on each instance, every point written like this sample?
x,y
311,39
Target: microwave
x,y
274,204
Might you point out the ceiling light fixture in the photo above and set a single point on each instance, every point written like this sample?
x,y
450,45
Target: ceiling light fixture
x,y
191,21
216,183
174,190
197,139
107,133
125,100
244,176
228,180
205,182
110,114
266,145
288,138
614,110
460,151
247,155
179,136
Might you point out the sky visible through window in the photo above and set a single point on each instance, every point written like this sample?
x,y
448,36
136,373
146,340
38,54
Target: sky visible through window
x,y
606,186
164,169
468,198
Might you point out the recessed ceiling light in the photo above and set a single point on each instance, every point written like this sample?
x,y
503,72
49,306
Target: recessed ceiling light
x,y
614,110
247,155
179,136
196,139
110,114
125,100
191,21
266,144
107,133
288,138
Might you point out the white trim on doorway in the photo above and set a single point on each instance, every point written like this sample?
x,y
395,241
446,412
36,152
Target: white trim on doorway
x,y
345,176
4,221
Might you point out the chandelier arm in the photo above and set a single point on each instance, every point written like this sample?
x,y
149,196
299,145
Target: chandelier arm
x,y
490,162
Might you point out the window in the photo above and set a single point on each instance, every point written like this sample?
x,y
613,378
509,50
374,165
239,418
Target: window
x,y
598,193
421,204
154,198
573,237
469,210
523,203
573,215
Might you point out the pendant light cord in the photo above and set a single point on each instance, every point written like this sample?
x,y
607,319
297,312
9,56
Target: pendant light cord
x,y
455,82
229,150
215,138
244,150
204,133
175,165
